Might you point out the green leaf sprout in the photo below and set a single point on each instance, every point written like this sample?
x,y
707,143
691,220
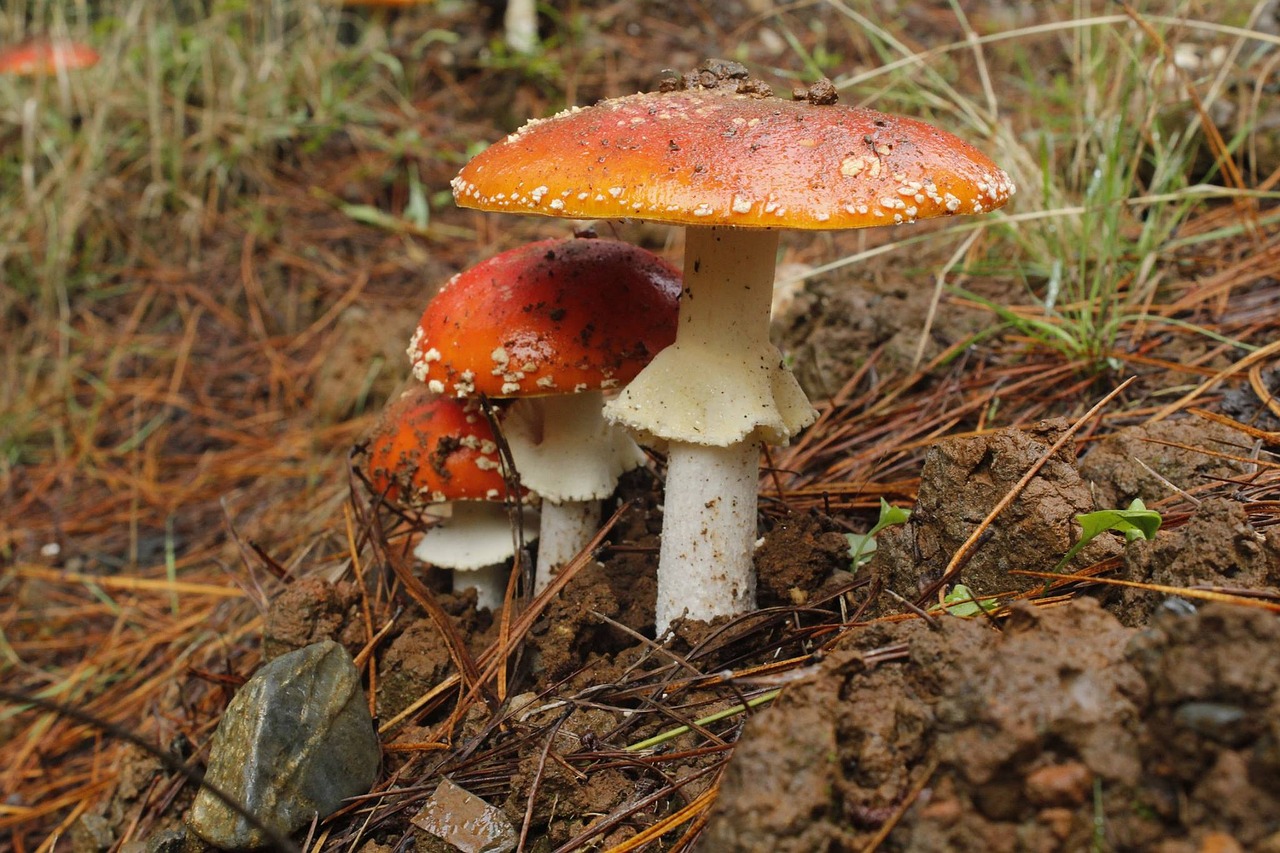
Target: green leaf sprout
x,y
1135,522
863,545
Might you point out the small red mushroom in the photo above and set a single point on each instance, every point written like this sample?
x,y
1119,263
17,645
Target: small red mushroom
x,y
427,450
555,323
46,58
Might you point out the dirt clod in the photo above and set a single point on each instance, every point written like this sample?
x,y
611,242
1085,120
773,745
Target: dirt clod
x,y
1152,460
1217,547
1029,734
961,482
797,556
834,324
307,611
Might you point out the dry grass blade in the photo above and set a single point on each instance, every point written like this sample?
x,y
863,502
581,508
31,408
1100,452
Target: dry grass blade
x,y
1269,436
577,842
1264,393
40,573
1256,357
1185,592
699,806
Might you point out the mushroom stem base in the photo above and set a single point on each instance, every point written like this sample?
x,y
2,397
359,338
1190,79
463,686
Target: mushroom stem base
x,y
566,529
490,583
708,532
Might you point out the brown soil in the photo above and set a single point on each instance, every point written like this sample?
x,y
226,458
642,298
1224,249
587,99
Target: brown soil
x,y
836,322
1058,729
1155,461
1126,720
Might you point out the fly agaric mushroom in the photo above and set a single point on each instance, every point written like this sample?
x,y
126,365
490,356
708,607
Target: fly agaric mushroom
x,y
43,58
717,154
555,323
46,58
430,450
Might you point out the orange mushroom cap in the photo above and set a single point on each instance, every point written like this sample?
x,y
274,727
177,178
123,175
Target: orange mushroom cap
x,y
551,317
38,58
430,449
713,157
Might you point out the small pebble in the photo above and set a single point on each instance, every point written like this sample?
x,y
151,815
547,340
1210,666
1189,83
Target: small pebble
x,y
1066,784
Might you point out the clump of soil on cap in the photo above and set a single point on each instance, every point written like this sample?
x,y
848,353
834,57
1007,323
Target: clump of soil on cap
x,y
1060,730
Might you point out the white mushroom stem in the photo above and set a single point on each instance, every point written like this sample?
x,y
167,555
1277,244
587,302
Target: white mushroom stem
x,y
565,451
489,582
475,542
520,25
715,394
566,529
708,532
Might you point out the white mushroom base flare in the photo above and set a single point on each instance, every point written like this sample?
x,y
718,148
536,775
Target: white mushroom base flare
x,y
475,542
565,451
714,395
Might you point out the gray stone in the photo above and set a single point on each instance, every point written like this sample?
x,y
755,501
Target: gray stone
x,y
294,743
461,821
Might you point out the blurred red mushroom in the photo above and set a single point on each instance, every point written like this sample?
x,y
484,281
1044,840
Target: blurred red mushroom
x,y
46,58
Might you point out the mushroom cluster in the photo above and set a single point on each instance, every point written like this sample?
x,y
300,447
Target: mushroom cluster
x,y
553,326
716,153
545,330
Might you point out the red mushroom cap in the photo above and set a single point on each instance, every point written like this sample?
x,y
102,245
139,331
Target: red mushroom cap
x,y
551,317
38,58
712,157
429,449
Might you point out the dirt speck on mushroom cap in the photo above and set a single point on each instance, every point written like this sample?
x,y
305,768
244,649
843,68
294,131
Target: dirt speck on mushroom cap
x,y
551,317
712,157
